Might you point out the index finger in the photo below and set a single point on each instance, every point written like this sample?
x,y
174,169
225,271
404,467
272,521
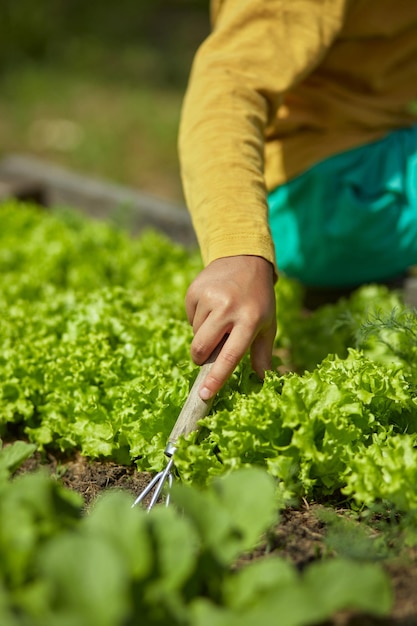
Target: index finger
x,y
231,352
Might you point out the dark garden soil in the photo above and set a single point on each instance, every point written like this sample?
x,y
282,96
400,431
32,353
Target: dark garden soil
x,y
300,536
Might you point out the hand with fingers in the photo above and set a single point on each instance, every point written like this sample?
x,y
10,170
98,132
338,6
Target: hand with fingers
x,y
232,296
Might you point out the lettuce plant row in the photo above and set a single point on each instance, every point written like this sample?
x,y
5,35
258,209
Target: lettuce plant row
x,y
95,357
118,566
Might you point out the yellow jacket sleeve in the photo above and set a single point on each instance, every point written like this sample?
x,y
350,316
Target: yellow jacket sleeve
x,y
257,51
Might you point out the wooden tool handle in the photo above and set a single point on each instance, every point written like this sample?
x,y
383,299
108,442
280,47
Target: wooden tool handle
x,y
194,408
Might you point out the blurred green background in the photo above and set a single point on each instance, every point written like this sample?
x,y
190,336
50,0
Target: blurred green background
x,y
97,86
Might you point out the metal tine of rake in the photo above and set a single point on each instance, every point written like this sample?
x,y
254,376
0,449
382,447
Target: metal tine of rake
x,y
192,412
158,483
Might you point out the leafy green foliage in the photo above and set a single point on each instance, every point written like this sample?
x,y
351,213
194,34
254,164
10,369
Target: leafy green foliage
x,y
119,566
12,457
95,357
331,329
319,432
269,590
95,342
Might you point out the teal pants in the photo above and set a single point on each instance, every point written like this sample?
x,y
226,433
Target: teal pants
x,y
352,218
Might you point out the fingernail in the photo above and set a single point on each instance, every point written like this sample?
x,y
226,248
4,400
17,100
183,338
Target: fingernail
x,y
205,393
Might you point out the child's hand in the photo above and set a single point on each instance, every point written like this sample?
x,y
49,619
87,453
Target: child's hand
x,y
234,296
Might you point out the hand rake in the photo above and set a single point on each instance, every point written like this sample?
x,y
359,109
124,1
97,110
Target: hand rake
x,y
192,412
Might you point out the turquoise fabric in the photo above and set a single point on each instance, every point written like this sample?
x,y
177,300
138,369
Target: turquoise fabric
x,y
352,218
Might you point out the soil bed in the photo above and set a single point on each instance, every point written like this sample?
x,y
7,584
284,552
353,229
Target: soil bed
x,y
300,537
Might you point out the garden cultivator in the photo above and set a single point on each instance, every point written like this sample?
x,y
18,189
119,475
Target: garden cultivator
x,y
192,412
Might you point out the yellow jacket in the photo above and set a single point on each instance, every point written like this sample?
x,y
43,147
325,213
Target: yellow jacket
x,y
278,86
